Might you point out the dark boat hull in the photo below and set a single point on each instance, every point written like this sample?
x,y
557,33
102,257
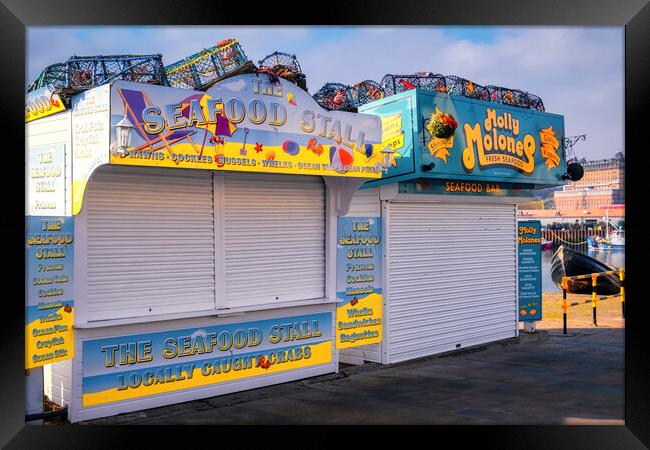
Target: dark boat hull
x,y
567,262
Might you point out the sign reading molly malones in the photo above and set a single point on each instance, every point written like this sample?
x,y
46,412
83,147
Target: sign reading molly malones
x,y
461,138
529,248
244,123
471,138
124,367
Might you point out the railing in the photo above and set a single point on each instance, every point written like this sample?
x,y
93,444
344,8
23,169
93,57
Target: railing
x,y
594,297
576,238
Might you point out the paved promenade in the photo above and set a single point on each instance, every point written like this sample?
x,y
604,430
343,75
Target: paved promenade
x,y
550,378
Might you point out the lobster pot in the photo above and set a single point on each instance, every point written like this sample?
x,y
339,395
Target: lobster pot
x,y
201,70
285,66
394,84
335,96
84,72
365,92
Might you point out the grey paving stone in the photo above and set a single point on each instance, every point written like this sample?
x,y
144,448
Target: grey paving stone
x,y
557,380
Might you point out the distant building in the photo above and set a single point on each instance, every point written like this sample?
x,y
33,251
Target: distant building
x,y
602,185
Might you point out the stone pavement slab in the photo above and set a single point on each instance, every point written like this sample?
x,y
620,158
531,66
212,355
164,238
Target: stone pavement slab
x,y
563,379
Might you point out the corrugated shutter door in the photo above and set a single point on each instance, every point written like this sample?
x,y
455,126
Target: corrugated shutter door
x,y
452,277
150,242
274,238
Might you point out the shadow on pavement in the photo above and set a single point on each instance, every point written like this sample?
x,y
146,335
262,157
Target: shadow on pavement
x,y
576,378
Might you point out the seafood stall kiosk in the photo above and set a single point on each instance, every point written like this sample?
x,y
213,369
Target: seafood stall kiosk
x,y
197,232
183,244
460,164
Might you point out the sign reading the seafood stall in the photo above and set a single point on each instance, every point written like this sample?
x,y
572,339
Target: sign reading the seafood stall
x,y
48,183
529,248
49,308
359,314
244,123
124,367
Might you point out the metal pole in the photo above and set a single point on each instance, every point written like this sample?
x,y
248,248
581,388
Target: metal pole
x,y
593,296
622,276
564,303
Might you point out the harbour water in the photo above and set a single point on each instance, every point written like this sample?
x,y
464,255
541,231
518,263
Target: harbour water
x,y
615,258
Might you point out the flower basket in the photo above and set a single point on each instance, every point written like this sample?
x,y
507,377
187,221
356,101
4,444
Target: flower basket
x,y
443,125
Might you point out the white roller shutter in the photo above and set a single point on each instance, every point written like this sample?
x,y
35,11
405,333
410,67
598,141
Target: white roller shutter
x,y
274,227
365,203
150,242
452,276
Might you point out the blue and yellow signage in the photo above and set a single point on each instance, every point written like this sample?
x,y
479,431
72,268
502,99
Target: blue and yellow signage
x,y
41,103
49,307
244,123
460,138
125,367
529,250
359,315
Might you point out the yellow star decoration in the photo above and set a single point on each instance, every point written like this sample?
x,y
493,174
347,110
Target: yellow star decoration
x,y
439,147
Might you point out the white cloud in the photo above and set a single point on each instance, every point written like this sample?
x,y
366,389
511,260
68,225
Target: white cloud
x,y
235,86
578,72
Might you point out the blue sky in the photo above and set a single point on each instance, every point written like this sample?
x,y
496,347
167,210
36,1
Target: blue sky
x,y
578,71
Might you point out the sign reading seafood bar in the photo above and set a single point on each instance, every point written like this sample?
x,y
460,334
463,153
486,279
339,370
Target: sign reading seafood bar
x,y
358,282
244,123
125,367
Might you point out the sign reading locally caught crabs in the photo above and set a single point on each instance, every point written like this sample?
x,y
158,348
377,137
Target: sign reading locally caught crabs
x,y
244,123
125,367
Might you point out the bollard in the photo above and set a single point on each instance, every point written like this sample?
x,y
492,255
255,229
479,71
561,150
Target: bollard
x,y
593,296
564,304
621,274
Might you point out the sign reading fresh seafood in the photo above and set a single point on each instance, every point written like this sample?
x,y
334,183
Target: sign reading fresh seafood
x,y
529,248
359,315
124,367
245,123
49,308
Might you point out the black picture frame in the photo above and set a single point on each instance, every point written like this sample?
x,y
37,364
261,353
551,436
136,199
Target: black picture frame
x,y
634,15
